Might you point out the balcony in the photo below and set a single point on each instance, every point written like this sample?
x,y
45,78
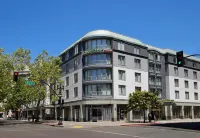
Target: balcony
x,y
98,49
98,63
100,77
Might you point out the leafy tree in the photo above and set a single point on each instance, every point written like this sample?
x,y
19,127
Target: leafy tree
x,y
47,69
5,75
143,100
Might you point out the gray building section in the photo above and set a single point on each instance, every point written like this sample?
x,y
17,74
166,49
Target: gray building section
x,y
96,53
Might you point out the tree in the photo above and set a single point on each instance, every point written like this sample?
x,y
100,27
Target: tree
x,y
6,69
47,69
143,100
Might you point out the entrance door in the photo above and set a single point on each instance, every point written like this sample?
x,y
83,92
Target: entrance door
x,y
97,114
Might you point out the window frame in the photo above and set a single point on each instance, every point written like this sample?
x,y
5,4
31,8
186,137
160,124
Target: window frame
x,y
187,93
66,94
177,94
75,91
120,60
136,76
120,76
137,63
120,88
76,77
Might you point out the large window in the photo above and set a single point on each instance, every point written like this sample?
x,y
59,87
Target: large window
x,y
195,85
97,44
67,81
121,60
120,46
158,67
76,92
137,77
97,59
176,94
187,95
97,74
122,75
186,73
157,57
75,77
151,67
122,90
76,50
136,50
151,56
158,81
97,90
186,84
152,80
67,94
195,74
75,63
196,97
176,71
137,63
176,82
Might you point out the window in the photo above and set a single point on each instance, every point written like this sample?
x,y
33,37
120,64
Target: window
x,y
176,94
151,67
97,74
67,68
152,80
187,95
76,92
158,67
137,77
195,74
176,82
75,77
97,59
98,90
122,75
186,84
194,65
158,81
120,46
67,55
137,63
195,85
157,57
76,50
174,59
186,72
136,50
137,88
67,94
122,90
196,97
176,71
121,60
151,56
75,63
67,81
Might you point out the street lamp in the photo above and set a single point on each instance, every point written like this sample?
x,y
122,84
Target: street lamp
x,y
60,88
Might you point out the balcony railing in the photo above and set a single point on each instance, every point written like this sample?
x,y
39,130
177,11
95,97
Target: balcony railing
x,y
96,62
98,47
100,77
98,93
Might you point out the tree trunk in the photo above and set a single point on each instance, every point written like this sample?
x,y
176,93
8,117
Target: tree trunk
x,y
37,116
144,115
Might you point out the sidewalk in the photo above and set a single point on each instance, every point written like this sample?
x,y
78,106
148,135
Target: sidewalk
x,y
71,124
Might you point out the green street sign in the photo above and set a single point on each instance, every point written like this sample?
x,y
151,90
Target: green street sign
x,y
29,82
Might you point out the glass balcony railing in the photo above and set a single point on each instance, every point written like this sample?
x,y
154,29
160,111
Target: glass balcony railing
x,y
100,77
96,62
98,93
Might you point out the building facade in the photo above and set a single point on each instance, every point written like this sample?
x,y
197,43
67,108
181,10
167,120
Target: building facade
x,y
100,70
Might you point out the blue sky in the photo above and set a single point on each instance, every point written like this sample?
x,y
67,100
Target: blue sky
x,y
53,25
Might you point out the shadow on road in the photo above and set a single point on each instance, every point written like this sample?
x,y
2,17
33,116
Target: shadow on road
x,y
182,125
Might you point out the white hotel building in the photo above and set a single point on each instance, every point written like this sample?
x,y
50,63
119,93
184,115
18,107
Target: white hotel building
x,y
100,70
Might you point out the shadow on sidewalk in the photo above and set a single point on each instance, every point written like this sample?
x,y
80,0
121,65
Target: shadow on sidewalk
x,y
182,125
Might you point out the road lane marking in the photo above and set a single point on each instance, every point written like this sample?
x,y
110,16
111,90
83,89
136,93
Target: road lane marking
x,y
77,126
113,133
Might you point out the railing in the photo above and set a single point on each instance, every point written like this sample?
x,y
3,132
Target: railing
x,y
97,93
99,77
96,62
98,47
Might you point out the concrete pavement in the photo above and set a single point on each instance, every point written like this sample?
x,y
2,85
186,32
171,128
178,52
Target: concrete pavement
x,y
43,131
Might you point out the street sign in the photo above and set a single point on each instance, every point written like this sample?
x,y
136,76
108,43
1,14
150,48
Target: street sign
x,y
27,82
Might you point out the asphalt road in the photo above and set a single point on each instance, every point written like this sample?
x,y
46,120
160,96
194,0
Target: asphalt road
x,y
43,131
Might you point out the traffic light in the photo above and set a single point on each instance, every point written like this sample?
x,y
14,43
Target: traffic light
x,y
179,58
15,76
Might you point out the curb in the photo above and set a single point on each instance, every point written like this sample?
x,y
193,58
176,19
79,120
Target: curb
x,y
147,124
